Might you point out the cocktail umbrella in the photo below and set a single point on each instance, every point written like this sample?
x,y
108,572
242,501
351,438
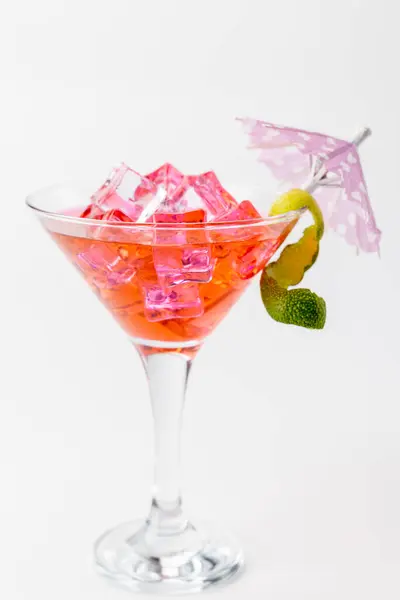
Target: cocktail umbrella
x,y
329,168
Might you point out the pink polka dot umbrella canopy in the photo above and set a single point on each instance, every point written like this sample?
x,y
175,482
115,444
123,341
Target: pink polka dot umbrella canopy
x,y
328,167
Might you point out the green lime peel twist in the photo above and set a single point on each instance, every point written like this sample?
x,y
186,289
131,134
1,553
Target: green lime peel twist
x,y
299,306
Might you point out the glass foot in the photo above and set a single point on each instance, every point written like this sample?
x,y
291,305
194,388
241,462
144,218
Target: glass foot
x,y
132,556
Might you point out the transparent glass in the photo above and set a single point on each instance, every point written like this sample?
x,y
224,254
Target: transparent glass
x,y
164,553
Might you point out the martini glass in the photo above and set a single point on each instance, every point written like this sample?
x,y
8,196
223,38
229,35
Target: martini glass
x,y
164,553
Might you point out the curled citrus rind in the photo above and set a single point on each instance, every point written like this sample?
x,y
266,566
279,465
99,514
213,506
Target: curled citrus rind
x,y
300,306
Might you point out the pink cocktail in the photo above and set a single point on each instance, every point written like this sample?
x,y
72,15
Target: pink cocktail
x,y
124,276
168,255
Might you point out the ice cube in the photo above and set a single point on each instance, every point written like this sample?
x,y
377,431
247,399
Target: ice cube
x,y
115,215
190,216
179,193
180,302
170,185
112,217
125,190
172,182
92,212
180,265
176,260
250,258
105,267
165,190
242,212
245,211
214,198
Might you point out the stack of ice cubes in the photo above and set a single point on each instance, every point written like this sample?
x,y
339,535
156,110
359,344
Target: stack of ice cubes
x,y
182,255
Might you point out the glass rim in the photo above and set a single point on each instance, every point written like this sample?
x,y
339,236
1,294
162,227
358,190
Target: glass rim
x,y
118,225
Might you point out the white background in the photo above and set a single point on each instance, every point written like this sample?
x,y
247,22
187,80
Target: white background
x,y
292,438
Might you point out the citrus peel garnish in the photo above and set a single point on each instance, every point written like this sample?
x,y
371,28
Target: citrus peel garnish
x,y
299,306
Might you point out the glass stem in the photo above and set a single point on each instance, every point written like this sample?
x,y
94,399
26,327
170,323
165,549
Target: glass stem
x,y
167,375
